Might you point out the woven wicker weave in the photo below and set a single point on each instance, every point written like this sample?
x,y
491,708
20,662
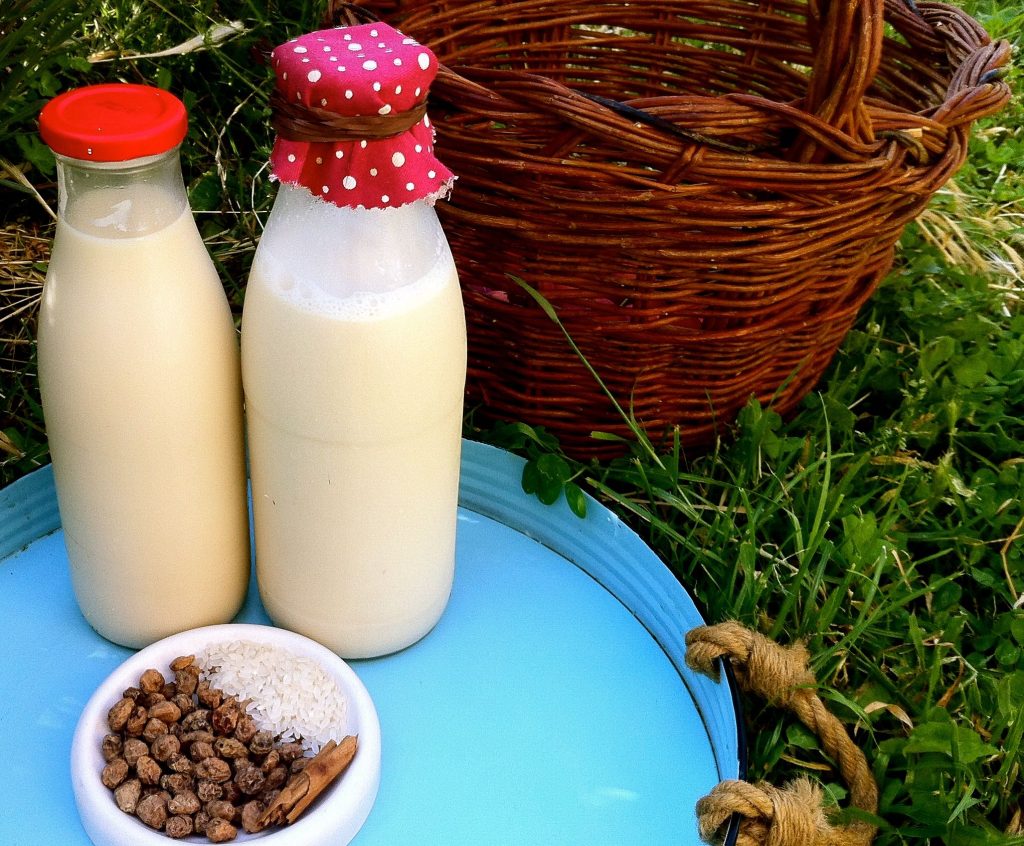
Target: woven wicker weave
x,y
706,191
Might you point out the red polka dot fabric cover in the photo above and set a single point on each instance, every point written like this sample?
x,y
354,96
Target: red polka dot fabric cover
x,y
370,69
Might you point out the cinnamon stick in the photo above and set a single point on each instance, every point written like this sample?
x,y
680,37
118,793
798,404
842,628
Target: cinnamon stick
x,y
330,762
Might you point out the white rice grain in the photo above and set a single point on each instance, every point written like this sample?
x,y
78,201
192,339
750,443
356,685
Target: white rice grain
x,y
288,695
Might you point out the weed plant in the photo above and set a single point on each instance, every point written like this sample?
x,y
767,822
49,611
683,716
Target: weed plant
x,y
881,523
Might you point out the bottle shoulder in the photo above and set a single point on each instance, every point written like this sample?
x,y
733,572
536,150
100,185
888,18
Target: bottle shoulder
x,y
346,248
296,211
122,199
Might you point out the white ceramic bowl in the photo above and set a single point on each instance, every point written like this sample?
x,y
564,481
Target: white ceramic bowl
x,y
334,818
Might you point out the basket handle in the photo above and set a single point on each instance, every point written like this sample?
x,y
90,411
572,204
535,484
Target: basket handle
x,y
847,36
793,815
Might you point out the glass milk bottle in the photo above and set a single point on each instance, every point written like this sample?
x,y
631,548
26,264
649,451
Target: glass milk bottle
x,y
354,350
140,375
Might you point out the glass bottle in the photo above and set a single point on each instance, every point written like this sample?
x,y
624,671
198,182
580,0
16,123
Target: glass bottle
x,y
140,375
354,350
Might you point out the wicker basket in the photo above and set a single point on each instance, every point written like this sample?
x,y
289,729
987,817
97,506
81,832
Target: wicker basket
x,y
706,191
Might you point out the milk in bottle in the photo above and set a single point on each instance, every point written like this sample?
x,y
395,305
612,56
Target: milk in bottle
x,y
354,350
140,376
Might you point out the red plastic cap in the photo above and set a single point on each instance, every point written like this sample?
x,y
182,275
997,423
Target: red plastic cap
x,y
113,122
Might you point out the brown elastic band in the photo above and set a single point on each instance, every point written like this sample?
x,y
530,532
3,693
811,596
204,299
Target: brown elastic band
x,y
296,122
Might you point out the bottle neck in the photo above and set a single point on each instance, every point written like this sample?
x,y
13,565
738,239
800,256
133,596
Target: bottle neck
x,y
126,199
345,249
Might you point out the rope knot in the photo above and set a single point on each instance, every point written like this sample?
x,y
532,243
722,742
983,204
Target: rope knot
x,y
769,816
776,673
794,815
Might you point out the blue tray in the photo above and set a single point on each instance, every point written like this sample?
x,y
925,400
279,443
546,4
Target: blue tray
x,y
551,705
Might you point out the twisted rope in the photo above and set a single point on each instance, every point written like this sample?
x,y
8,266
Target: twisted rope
x,y
792,815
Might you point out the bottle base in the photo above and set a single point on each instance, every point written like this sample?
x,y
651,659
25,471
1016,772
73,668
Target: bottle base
x,y
368,641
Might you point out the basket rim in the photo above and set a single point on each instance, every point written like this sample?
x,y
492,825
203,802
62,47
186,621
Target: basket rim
x,y
830,146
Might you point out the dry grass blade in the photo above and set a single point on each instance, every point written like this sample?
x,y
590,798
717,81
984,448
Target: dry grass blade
x,y
205,41
984,241
18,176
23,255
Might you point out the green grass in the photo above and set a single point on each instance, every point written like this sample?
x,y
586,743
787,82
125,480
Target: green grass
x,y
882,523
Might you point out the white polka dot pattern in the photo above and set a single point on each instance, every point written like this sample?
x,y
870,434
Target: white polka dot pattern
x,y
384,74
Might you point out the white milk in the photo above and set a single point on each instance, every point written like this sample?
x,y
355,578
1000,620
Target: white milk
x,y
138,364
353,361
